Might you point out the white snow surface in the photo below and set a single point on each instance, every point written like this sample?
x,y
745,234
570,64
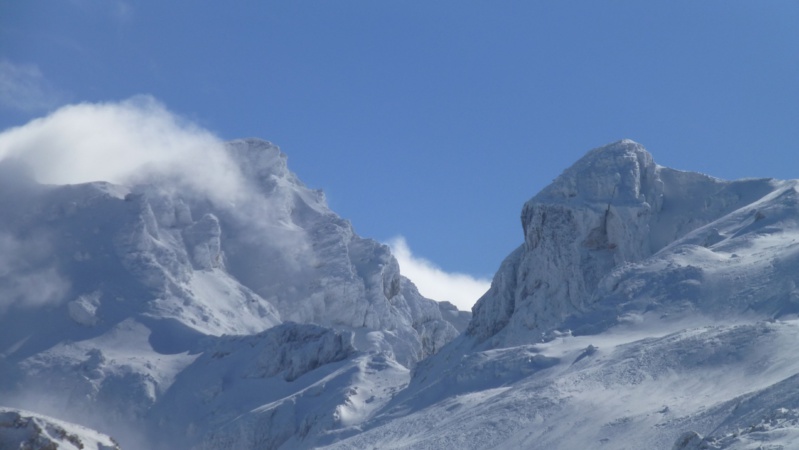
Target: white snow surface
x,y
646,308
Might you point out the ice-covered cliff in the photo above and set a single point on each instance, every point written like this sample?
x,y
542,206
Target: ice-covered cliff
x,y
613,207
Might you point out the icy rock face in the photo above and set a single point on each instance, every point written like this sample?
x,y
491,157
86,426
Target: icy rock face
x,y
331,276
593,217
83,310
179,264
29,431
614,206
203,240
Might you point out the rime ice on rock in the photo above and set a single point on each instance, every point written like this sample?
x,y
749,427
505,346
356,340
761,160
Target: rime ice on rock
x,y
613,206
29,431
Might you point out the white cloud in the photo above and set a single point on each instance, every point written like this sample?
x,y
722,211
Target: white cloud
x,y
24,88
460,289
138,142
120,143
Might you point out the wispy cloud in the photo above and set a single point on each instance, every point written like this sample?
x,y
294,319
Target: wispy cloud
x,y
139,142
122,141
460,289
24,88
27,276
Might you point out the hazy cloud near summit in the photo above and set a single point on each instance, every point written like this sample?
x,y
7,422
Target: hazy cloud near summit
x,y
27,276
140,142
121,142
460,289
137,139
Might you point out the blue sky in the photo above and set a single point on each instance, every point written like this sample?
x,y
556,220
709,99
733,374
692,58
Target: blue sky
x,y
433,121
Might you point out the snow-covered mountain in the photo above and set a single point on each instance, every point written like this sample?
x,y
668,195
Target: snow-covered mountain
x,y
646,308
172,317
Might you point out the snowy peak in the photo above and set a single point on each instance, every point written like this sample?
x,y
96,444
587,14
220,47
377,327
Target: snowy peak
x,y
613,207
110,292
619,172
261,162
593,217
607,196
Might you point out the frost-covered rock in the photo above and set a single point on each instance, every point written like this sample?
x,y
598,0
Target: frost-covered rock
x,y
203,241
29,431
327,274
83,309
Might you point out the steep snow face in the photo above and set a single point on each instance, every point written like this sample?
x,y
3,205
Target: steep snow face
x,y
290,385
639,385
26,430
614,206
322,272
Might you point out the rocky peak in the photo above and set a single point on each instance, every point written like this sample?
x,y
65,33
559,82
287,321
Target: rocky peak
x,y
613,206
258,157
620,172
592,218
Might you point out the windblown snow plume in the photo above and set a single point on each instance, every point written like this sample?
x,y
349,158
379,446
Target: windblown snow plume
x,y
121,142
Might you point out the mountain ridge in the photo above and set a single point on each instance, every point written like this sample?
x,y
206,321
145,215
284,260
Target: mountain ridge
x,y
645,307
